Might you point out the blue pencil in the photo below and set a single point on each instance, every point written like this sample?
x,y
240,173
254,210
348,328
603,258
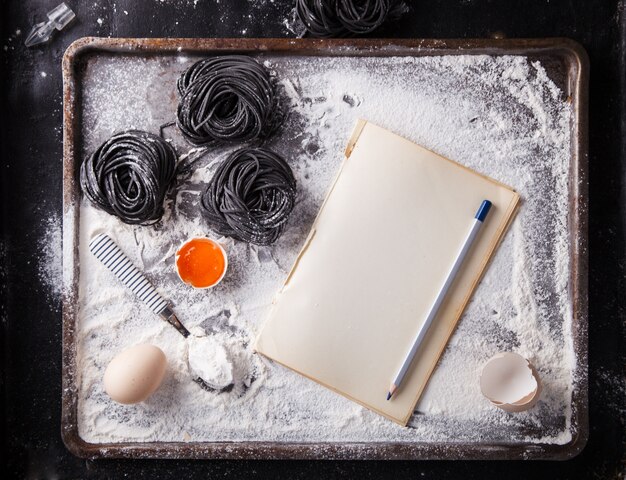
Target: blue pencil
x,y
479,218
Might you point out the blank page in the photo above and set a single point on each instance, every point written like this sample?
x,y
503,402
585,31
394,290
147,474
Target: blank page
x,y
377,255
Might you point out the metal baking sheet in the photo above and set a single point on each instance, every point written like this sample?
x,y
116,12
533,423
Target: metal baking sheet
x,y
567,65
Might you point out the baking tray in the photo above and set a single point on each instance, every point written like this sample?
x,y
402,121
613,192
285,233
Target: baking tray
x,y
567,64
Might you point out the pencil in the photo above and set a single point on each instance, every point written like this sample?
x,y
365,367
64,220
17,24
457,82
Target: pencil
x,y
479,218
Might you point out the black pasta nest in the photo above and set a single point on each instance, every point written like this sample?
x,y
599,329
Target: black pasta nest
x,y
250,196
227,99
129,175
340,18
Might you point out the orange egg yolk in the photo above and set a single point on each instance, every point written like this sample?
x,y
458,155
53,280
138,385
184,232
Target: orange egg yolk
x,y
200,262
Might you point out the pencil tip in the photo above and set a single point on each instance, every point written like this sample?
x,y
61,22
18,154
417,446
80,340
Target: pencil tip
x,y
388,395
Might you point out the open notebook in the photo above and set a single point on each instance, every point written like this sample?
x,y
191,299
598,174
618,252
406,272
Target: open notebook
x,y
377,254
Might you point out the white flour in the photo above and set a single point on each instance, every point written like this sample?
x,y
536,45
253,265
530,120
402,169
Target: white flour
x,y
49,259
501,116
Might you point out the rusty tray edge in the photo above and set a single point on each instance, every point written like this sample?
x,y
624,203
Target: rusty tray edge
x,y
569,51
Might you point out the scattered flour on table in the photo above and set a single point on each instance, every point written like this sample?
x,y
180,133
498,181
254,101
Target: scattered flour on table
x,y
501,116
49,258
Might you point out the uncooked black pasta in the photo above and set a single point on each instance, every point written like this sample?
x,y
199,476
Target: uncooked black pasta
x,y
226,99
338,18
320,18
129,175
250,196
362,17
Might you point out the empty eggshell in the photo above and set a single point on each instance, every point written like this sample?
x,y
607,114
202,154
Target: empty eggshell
x,y
135,374
510,382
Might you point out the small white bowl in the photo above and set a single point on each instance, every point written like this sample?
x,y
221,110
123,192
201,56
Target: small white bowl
x,y
213,242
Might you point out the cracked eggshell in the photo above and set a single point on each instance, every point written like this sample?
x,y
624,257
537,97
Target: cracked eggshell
x,y
510,382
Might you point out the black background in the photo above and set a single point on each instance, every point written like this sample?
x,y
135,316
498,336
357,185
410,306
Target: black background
x,y
31,149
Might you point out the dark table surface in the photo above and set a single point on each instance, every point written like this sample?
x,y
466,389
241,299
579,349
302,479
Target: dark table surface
x,y
31,149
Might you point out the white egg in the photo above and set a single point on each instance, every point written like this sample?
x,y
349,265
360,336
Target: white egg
x,y
135,374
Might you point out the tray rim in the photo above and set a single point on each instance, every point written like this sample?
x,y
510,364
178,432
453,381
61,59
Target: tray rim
x,y
567,50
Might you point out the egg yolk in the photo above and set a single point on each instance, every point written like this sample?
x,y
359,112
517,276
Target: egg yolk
x,y
200,262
